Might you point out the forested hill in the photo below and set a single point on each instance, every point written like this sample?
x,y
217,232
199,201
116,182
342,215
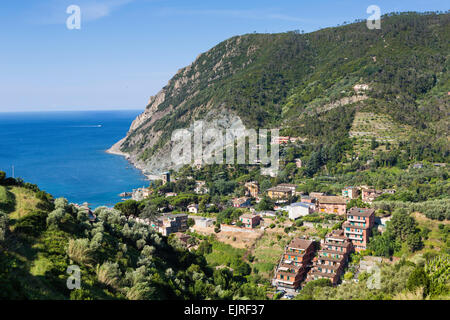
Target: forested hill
x,y
305,83
40,237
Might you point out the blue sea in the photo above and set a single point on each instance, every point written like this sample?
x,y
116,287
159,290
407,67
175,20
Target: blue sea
x,y
64,153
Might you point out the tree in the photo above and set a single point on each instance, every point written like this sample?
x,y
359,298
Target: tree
x,y
418,279
402,225
150,211
128,207
2,176
3,225
190,222
265,204
373,144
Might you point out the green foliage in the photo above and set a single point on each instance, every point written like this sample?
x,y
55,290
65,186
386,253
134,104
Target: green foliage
x,y
128,207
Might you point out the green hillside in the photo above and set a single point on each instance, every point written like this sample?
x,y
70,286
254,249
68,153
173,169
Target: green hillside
x,y
118,259
305,83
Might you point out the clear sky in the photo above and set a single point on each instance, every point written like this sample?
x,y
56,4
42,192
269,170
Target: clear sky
x,y
127,50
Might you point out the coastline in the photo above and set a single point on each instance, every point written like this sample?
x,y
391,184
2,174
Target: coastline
x,y
115,150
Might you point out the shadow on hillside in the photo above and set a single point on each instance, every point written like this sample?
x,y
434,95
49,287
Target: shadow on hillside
x,y
8,204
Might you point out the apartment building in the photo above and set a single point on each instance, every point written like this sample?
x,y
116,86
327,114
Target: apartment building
x,y
252,188
171,223
279,192
350,192
332,257
241,202
293,264
358,226
331,205
250,220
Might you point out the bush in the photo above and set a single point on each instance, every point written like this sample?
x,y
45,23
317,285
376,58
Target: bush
x,y
79,251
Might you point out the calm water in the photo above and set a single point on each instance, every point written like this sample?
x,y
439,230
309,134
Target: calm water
x,y
64,153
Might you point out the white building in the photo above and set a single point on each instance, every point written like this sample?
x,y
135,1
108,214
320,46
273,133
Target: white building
x,y
298,209
204,222
193,208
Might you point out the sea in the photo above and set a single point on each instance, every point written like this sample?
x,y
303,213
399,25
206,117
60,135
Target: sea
x,y
64,153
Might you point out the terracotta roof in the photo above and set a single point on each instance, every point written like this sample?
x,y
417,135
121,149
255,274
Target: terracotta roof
x,y
362,212
332,199
280,189
300,243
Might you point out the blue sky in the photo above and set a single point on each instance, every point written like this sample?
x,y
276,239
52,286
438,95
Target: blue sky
x,y
127,50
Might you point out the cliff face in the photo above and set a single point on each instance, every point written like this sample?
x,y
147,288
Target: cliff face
x,y
284,80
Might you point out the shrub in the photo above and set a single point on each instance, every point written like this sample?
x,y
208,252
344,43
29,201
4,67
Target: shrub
x,y
79,251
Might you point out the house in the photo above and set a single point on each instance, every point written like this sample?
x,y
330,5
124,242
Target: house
x,y
358,226
252,188
369,195
241,202
294,262
315,195
288,185
280,140
332,257
381,223
332,205
141,194
249,220
193,208
267,213
171,194
298,163
417,165
388,191
172,223
91,216
165,177
200,187
306,199
299,209
350,192
279,192
204,222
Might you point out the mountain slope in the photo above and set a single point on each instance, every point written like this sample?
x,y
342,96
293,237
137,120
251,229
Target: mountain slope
x,y
293,80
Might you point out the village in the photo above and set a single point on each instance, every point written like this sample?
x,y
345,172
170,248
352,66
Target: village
x,y
306,257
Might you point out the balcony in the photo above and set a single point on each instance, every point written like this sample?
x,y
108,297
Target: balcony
x,y
356,220
354,237
355,231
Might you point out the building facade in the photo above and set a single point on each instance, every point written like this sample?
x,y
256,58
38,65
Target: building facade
x,y
249,220
332,257
293,264
172,223
350,192
252,188
331,205
358,226
279,192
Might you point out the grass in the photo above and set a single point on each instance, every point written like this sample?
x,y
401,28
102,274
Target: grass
x,y
222,254
25,202
437,237
267,253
